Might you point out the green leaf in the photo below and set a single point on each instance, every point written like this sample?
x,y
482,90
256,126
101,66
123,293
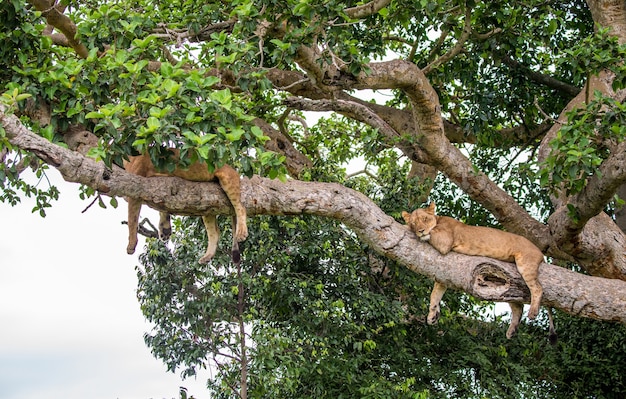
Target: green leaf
x,y
235,134
153,124
171,87
144,43
22,96
206,138
229,59
257,132
223,97
203,152
94,115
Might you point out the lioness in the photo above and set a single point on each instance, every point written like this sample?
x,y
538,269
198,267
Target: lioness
x,y
447,234
229,181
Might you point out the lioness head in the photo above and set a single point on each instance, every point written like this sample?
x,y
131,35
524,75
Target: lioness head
x,y
421,221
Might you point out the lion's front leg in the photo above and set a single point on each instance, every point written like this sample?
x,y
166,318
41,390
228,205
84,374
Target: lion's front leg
x,y
134,207
231,184
442,241
516,316
434,310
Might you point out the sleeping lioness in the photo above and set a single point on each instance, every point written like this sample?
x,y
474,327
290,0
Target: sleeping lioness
x,y
447,234
229,181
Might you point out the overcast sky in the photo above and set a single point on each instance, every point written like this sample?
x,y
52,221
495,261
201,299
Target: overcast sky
x,y
70,323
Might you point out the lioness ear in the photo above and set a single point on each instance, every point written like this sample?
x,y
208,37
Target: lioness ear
x,y
431,208
406,216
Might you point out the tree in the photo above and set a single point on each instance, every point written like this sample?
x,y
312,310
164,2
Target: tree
x,y
509,115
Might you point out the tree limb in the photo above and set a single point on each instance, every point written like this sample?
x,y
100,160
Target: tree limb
x,y
467,31
430,131
367,9
574,293
565,89
362,113
593,237
61,22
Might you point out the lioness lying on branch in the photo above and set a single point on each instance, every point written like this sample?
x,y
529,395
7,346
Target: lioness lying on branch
x,y
229,181
446,234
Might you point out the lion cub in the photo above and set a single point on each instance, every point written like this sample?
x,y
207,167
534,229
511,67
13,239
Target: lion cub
x,y
229,181
446,234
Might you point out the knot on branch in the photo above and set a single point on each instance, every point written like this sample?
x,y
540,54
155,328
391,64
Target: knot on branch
x,y
499,282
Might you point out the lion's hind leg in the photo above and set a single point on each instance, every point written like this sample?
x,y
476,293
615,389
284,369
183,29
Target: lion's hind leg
x,y
231,184
528,267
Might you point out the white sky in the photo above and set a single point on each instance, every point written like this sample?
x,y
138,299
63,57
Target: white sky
x,y
70,323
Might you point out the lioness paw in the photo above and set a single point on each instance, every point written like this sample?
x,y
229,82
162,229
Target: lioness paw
x,y
241,232
205,259
511,331
433,317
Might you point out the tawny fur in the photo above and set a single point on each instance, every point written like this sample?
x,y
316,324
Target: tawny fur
x,y
229,181
446,234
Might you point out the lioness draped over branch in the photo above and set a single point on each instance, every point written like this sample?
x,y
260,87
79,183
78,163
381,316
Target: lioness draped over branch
x,y
81,140
446,234
229,181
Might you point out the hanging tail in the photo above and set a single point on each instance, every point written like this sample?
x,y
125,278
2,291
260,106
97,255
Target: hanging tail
x,y
552,337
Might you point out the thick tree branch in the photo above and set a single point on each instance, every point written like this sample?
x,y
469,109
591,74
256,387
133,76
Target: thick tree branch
x,y
612,14
61,22
367,9
565,89
297,84
447,158
597,243
362,113
454,51
577,294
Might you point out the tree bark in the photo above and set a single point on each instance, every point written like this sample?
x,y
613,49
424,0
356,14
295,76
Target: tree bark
x,y
574,293
620,216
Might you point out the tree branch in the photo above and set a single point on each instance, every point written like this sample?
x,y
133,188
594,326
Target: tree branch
x,y
565,89
574,293
204,34
367,9
594,238
364,114
599,191
430,131
61,22
467,31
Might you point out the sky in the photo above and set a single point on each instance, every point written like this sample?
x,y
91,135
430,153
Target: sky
x,y
70,323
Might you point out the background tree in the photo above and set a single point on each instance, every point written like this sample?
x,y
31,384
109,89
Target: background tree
x,y
509,115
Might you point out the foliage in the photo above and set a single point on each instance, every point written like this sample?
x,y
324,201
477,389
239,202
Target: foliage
x,y
323,322
592,133
334,320
587,140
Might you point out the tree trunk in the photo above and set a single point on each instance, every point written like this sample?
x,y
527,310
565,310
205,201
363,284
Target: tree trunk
x,y
620,216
